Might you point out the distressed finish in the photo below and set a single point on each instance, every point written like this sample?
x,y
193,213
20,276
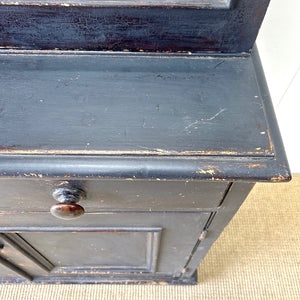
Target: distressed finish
x,y
68,105
93,248
72,104
155,198
114,194
161,149
208,4
131,28
110,109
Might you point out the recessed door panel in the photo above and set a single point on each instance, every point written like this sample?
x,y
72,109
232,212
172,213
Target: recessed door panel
x,y
99,250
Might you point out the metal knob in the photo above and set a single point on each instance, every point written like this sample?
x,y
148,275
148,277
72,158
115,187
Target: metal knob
x,y
67,208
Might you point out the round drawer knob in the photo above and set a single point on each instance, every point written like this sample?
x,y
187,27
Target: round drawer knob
x,y
66,211
67,208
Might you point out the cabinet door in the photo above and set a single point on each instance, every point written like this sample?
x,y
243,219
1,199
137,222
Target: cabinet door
x,y
115,247
19,261
98,250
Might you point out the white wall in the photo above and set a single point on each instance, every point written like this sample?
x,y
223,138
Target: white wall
x,y
279,46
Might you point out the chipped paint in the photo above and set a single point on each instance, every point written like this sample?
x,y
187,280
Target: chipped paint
x,y
271,147
157,151
211,172
279,178
62,183
132,3
257,165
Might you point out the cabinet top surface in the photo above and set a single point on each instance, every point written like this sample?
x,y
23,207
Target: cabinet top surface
x,y
91,114
92,104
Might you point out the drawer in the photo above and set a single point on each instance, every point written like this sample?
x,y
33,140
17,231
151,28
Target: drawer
x,y
28,195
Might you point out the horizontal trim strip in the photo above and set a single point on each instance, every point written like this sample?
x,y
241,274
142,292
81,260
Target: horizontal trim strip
x,y
170,55
80,229
200,4
132,168
160,152
160,166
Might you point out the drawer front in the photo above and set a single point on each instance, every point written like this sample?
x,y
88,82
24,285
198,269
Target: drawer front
x,y
28,195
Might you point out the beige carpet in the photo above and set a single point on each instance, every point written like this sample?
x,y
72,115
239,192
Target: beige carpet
x,y
256,257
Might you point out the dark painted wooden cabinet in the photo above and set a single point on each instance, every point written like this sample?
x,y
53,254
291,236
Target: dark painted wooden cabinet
x,y
123,167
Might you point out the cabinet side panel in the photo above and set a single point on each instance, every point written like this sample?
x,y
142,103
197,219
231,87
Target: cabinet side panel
x,y
234,199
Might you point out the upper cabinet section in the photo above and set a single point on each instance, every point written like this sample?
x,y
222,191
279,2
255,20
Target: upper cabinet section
x,y
214,26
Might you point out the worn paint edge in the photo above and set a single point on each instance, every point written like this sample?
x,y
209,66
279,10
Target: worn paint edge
x,y
10,150
120,3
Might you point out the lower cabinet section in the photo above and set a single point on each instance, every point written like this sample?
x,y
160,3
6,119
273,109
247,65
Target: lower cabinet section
x,y
147,246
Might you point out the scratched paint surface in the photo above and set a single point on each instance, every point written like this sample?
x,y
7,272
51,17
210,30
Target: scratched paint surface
x,y
223,4
114,104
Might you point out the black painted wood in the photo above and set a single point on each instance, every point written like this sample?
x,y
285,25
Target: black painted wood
x,y
14,268
220,219
110,104
145,136
28,196
21,247
208,4
132,247
20,259
143,28
137,116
